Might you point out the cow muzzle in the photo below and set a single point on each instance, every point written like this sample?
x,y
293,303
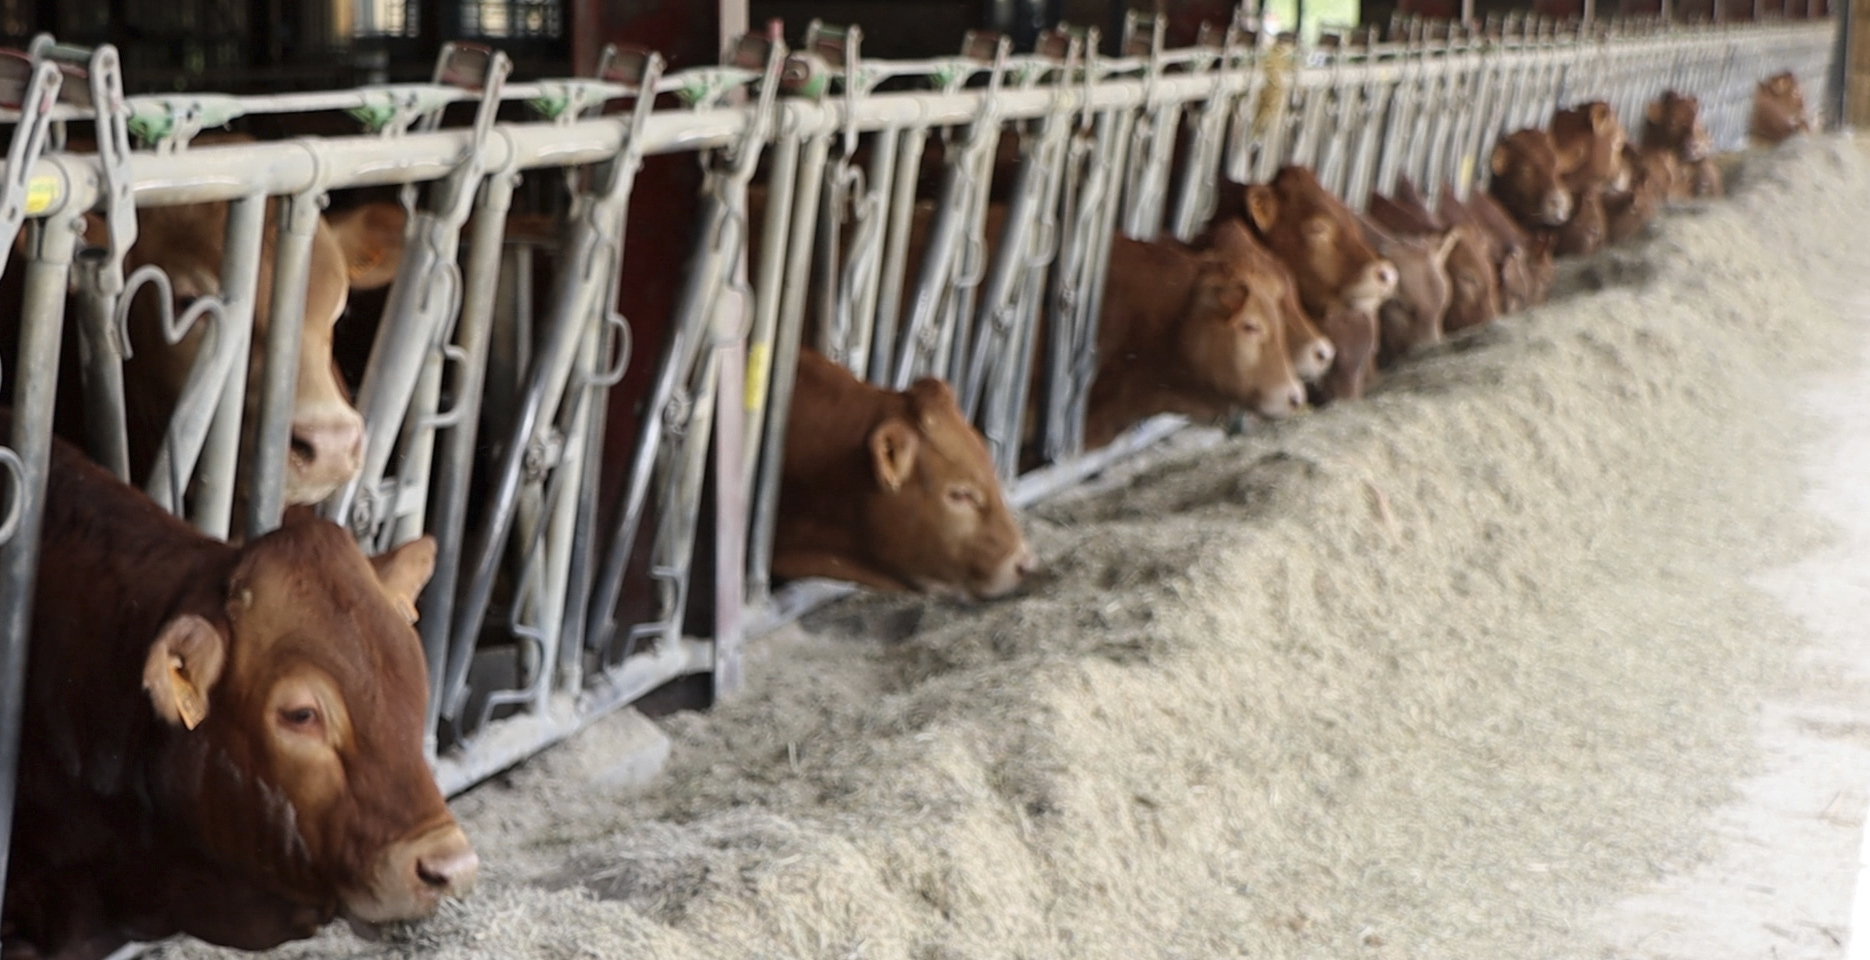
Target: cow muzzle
x,y
1375,284
1283,401
1314,359
414,876
326,452
1009,574
1557,208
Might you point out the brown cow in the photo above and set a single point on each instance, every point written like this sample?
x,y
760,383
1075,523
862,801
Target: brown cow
x,y
1779,110
1655,175
1413,317
1589,139
1672,123
1473,274
219,741
893,490
1354,330
1528,179
1198,332
1586,231
357,249
1526,268
1320,242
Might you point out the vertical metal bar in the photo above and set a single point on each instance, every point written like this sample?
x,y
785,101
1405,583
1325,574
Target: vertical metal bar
x,y
771,271
730,513
285,325
895,256
240,267
100,347
454,456
35,389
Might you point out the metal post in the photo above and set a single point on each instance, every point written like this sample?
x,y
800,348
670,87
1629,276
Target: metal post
x,y
272,436
454,458
35,389
240,266
100,348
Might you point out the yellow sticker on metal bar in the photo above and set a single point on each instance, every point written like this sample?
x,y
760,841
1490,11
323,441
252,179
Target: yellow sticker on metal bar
x,y
40,193
759,364
1466,179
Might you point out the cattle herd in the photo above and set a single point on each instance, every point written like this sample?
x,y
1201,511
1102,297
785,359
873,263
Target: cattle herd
x,y
226,739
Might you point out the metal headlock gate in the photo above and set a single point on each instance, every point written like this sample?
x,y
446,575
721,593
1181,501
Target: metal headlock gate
x,y
1134,142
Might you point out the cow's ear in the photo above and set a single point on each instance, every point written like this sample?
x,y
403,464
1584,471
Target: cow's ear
x,y
893,447
1262,206
1445,247
1654,113
1220,296
1502,159
183,665
372,238
405,571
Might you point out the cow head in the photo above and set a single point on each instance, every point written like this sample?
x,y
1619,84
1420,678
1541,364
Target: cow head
x,y
1233,336
1526,179
1779,108
1320,242
298,688
1413,316
1355,333
1474,287
936,515
1589,139
1587,230
360,250
1673,122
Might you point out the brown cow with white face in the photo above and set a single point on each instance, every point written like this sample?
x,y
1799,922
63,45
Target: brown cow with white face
x,y
1199,332
1779,110
893,490
1528,179
219,741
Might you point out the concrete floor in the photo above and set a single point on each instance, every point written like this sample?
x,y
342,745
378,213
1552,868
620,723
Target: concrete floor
x,y
1788,881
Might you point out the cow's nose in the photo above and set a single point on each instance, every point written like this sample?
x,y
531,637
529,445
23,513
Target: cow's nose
x,y
1028,561
1323,352
449,872
328,448
1285,401
1557,207
1383,274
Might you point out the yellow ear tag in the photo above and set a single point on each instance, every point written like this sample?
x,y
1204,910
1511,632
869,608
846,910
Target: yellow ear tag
x,y
188,700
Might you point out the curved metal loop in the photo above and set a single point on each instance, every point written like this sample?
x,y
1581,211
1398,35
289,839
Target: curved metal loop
x,y
16,510
165,301
452,417
621,348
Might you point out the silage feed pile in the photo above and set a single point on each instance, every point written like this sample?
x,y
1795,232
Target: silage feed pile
x,y
1437,674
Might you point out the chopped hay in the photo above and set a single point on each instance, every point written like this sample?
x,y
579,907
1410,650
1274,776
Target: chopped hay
x,y
1439,674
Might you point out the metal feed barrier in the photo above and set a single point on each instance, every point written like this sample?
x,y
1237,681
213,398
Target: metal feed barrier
x,y
1096,144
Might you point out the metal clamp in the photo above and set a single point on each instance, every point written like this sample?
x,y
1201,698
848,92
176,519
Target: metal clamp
x,y
103,95
31,88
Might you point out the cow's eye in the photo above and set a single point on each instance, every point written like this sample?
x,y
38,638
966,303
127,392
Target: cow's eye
x,y
299,718
962,495
1318,229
